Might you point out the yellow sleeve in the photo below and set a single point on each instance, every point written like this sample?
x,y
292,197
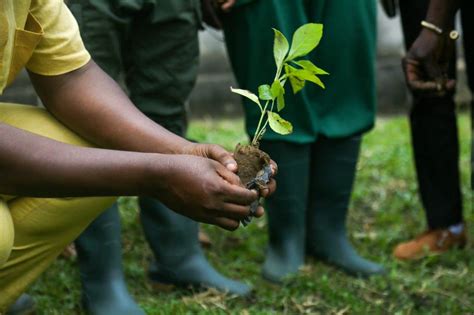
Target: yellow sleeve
x,y
61,49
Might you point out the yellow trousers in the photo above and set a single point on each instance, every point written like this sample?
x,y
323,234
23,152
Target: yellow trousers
x,y
34,231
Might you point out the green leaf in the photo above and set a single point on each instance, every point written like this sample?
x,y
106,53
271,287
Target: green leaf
x,y
308,65
265,93
278,92
280,48
249,95
306,75
296,83
281,102
276,88
278,124
305,39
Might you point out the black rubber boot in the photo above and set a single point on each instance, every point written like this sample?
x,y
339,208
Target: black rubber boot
x,y
180,260
286,210
99,250
25,305
332,174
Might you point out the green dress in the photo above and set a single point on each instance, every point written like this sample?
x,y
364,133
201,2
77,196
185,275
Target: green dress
x,y
347,51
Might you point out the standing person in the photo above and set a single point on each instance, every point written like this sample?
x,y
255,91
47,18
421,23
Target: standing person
x,y
433,124
154,45
317,162
53,182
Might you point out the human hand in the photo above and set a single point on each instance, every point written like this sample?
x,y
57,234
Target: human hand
x,y
203,190
219,154
226,5
426,64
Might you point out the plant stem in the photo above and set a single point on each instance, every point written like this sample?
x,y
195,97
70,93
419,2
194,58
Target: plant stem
x,y
262,131
258,131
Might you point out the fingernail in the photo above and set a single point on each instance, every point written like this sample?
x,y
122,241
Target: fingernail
x,y
231,166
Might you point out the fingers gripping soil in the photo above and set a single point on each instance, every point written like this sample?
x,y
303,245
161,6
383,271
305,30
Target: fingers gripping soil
x,y
202,189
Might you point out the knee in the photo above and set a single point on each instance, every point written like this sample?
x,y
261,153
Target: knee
x,y
6,233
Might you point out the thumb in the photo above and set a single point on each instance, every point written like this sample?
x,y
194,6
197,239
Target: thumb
x,y
219,154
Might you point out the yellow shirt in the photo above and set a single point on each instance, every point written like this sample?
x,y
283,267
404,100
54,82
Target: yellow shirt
x,y
41,35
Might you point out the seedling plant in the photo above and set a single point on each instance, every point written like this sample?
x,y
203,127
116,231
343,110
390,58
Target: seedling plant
x,y
291,65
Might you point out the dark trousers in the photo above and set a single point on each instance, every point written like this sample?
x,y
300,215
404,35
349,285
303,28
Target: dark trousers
x,y
152,45
434,130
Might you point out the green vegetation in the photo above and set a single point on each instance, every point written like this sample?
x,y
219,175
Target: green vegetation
x,y
385,210
305,39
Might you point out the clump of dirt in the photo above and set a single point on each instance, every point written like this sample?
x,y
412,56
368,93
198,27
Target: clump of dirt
x,y
250,160
254,172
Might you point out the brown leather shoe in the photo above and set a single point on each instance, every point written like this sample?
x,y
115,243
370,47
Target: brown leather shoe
x,y
430,242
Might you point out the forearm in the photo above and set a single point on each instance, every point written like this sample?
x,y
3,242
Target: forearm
x,y
95,107
442,12
32,165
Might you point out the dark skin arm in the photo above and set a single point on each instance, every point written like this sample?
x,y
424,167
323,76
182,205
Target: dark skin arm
x,y
427,61
95,107
89,102
104,115
197,187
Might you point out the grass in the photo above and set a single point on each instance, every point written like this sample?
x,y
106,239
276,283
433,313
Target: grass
x,y
385,210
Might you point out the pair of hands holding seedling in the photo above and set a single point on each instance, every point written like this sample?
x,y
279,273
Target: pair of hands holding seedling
x,y
210,173
225,191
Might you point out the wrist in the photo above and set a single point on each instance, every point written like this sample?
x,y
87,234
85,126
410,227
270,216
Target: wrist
x,y
155,174
424,45
181,146
442,12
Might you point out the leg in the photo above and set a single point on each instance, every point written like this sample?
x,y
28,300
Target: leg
x,y
436,149
99,251
41,228
333,167
180,260
435,140
162,60
287,210
160,78
104,290
24,305
467,13
436,156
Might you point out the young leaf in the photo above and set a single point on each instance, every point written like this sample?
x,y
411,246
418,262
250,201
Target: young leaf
x,y
305,39
247,94
278,92
280,47
278,124
308,65
281,101
296,83
306,75
265,93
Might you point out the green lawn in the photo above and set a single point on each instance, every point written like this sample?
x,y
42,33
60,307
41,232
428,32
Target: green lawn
x,y
384,211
